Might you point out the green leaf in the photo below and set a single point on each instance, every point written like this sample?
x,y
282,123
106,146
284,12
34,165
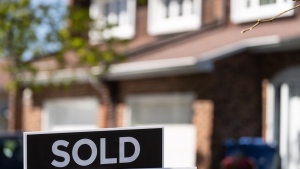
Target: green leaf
x,y
77,42
108,56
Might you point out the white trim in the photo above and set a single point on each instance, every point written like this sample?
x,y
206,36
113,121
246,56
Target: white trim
x,y
163,147
293,140
127,115
152,64
45,120
159,24
240,13
270,113
284,125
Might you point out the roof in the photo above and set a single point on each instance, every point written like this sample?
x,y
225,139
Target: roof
x,y
196,52
191,64
222,36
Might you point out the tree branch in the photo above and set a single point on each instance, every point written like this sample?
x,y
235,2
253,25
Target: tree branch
x,y
271,19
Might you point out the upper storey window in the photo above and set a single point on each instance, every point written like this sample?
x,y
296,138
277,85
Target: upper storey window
x,y
172,16
265,2
112,18
251,10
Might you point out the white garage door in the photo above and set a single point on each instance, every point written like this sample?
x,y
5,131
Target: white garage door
x,y
70,114
174,112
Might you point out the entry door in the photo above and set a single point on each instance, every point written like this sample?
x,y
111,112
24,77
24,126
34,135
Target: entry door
x,y
294,128
283,115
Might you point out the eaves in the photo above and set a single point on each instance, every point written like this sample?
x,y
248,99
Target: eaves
x,y
203,63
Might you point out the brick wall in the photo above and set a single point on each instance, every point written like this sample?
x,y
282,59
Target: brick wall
x,y
237,101
219,7
212,10
238,96
203,118
120,114
200,84
74,90
32,115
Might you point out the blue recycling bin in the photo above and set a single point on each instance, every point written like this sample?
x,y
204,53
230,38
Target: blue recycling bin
x,y
262,153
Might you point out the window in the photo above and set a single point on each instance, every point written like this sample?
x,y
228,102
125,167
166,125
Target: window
x,y
251,10
70,114
161,109
265,2
120,14
172,16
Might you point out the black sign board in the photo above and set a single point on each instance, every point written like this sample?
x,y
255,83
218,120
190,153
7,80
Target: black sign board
x,y
105,149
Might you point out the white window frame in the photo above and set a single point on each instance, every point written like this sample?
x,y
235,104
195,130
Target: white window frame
x,y
240,13
125,28
159,25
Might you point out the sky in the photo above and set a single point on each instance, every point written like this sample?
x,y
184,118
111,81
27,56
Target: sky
x,y
43,28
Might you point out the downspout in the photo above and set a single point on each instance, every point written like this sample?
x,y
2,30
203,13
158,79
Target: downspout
x,y
103,88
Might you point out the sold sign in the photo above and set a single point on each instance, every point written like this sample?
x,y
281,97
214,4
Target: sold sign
x,y
122,148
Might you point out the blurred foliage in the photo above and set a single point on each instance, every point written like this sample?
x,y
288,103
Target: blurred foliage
x,y
65,28
142,2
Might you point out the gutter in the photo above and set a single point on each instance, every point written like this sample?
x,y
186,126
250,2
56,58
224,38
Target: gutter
x,y
203,63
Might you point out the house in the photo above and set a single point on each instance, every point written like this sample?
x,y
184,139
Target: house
x,y
188,68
